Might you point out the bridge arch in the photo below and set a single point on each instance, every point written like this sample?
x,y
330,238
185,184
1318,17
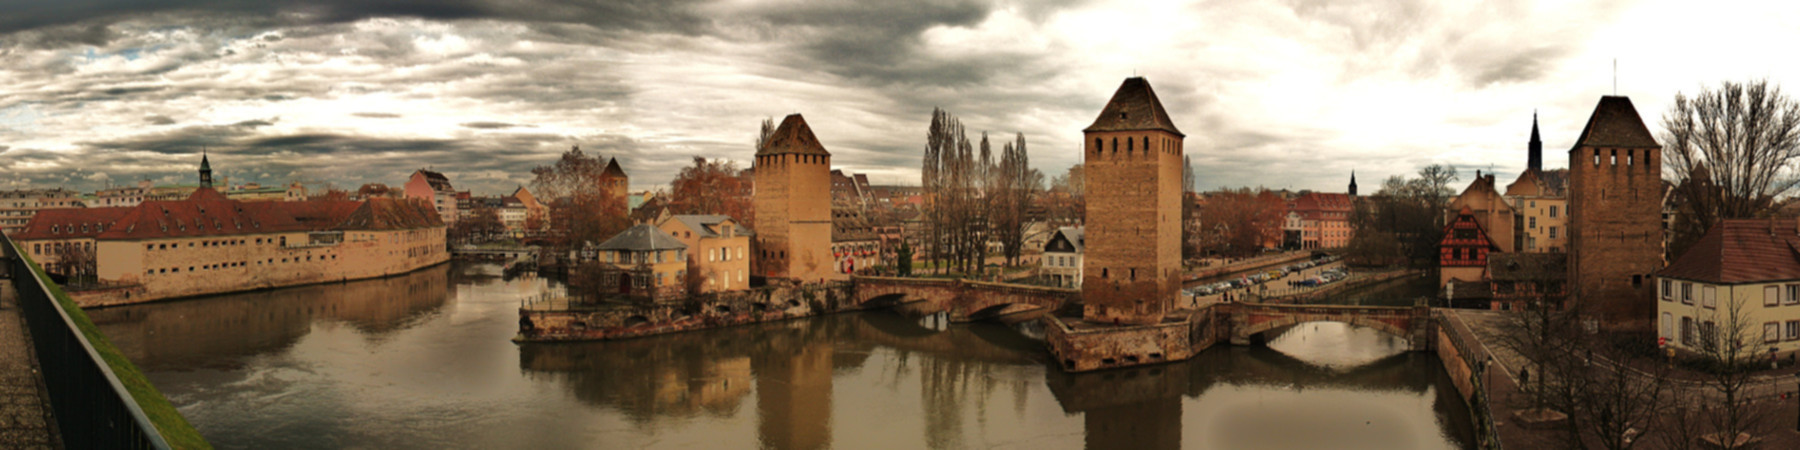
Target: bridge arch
x,y
1251,320
1287,321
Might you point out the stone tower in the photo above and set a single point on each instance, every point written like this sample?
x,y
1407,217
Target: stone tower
x,y
1132,266
614,183
1535,159
1615,207
793,205
206,179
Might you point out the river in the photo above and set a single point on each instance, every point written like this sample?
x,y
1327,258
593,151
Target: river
x,y
424,360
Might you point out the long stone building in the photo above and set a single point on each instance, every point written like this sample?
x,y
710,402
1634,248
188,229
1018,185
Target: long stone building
x,y
1132,266
210,244
793,205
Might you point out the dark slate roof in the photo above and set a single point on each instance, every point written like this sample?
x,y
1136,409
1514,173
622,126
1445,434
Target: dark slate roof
x,y
642,238
1134,107
1741,251
437,180
1615,123
1471,290
1504,266
707,225
793,136
613,169
391,214
1073,235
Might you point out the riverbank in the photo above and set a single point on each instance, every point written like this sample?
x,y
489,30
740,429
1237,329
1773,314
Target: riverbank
x,y
557,319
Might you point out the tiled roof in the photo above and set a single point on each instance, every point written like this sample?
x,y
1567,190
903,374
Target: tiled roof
x,y
641,238
391,214
613,169
707,225
437,180
70,223
1615,123
1134,107
207,213
1741,251
1314,204
1074,235
793,136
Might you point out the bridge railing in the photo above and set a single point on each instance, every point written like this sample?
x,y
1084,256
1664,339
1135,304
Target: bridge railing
x,y
1480,405
92,408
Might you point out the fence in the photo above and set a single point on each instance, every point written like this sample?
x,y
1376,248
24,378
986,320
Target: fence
x,y
92,408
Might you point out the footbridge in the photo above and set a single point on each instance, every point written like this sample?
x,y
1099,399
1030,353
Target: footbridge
x,y
964,300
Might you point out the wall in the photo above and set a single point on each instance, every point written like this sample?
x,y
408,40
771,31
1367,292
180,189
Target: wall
x,y
763,304
217,264
1752,306
1615,206
1133,232
793,216
1079,347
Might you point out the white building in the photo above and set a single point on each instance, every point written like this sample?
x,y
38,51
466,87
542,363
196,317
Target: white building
x,y
1062,257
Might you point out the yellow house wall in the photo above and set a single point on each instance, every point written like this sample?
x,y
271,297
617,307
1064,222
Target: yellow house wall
x,y
1539,208
724,261
1750,301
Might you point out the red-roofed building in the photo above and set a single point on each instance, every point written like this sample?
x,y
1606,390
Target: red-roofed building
x,y
1463,253
434,189
209,244
1747,266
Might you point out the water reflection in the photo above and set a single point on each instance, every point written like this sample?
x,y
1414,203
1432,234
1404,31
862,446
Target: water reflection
x,y
423,361
220,329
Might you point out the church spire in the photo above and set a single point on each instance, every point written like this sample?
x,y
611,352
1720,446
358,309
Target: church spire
x,y
1352,182
1535,159
206,179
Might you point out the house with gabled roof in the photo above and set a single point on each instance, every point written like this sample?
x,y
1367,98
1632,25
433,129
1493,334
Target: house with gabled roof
x,y
1747,269
718,248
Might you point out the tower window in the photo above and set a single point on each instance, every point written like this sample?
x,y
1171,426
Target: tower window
x,y
1115,145
1596,157
1613,158
1146,144
1098,145
1128,145
1103,273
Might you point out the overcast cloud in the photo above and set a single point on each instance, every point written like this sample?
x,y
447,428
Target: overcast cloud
x,y
1275,93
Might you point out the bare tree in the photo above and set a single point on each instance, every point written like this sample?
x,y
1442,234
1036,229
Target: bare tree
x,y
1730,152
1015,185
1733,344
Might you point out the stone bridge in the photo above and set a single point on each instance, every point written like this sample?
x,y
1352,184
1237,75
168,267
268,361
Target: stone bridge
x,y
1247,320
963,300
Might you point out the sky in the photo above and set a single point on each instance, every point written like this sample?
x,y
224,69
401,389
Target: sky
x,y
1282,94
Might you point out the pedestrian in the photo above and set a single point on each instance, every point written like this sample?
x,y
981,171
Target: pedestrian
x,y
1524,377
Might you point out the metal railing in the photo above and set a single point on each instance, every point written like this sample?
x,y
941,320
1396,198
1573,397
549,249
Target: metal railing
x,y
92,408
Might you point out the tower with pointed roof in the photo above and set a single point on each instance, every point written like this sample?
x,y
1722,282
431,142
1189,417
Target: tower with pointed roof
x,y
1615,207
614,182
793,205
1352,183
206,179
1132,158
1534,160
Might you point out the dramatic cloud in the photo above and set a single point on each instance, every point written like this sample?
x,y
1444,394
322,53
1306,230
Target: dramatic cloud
x,y
1279,93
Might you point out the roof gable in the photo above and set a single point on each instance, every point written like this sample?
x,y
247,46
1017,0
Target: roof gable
x,y
1134,107
642,238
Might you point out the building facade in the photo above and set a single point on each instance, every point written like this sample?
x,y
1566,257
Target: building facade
x,y
718,251
434,189
1132,159
1743,275
17,207
1463,253
1062,258
1323,220
1615,206
793,205
209,244
644,263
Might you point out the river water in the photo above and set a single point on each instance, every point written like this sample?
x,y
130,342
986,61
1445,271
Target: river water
x,y
424,360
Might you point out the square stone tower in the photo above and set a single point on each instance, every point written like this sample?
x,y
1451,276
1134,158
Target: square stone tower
x,y
1132,267
1615,216
793,205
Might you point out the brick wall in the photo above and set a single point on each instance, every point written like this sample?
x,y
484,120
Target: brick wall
x,y
1132,261
1615,206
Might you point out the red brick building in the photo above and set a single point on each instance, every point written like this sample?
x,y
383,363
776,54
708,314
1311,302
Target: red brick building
x,y
1324,219
1132,158
1615,207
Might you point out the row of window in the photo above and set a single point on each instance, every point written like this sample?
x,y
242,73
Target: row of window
x,y
1613,158
716,255
227,265
215,243
1060,261
627,257
55,229
1772,295
41,249
1168,145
